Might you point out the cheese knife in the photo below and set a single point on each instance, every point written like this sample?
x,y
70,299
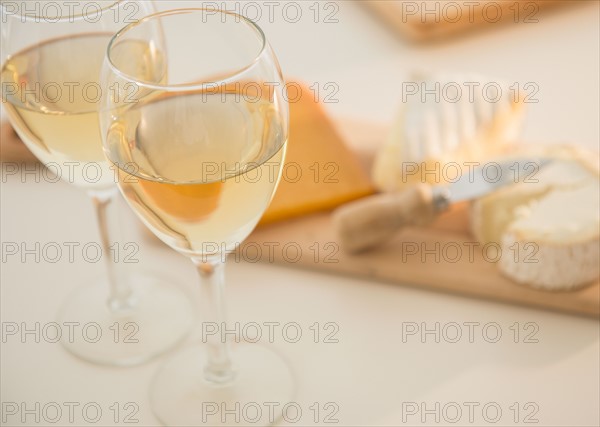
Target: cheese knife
x,y
368,222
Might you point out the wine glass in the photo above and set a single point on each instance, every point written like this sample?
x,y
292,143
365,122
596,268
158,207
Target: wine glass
x,y
52,55
199,155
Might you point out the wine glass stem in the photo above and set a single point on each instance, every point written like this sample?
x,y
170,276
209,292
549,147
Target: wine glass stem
x,y
105,203
219,368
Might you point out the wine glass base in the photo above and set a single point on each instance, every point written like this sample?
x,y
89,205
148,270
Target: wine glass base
x,y
263,386
160,317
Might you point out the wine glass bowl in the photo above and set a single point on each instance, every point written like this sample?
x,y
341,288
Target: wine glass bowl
x,y
50,89
199,151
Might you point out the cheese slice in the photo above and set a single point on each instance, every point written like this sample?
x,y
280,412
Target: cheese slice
x,y
561,231
548,229
492,215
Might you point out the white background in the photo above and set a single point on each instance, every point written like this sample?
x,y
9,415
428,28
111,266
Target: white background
x,y
370,372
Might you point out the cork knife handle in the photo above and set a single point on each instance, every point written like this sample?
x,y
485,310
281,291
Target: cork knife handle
x,y
368,222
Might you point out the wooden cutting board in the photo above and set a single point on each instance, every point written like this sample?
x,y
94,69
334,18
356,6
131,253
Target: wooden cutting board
x,y
426,258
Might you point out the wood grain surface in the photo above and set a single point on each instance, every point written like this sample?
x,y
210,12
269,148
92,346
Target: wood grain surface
x,y
11,147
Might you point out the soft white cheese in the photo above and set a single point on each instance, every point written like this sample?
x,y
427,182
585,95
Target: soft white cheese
x,y
432,132
549,230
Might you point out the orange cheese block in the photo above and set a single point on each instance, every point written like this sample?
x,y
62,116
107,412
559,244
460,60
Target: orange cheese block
x,y
320,172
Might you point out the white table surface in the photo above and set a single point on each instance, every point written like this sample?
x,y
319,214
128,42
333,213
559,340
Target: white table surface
x,y
370,372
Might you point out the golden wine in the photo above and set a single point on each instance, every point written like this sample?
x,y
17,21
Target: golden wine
x,y
200,169
52,95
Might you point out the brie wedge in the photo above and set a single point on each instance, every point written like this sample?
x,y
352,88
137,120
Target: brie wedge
x,y
432,132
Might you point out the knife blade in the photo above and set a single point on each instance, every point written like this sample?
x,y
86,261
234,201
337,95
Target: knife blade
x,y
482,180
368,222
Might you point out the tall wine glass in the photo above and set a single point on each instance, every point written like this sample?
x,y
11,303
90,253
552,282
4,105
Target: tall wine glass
x,y
199,156
52,55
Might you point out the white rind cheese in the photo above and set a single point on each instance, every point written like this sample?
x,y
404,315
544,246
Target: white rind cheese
x,y
491,215
431,133
549,230
562,231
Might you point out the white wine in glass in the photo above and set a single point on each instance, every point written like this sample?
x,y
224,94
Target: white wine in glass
x,y
203,184
55,107
57,126
51,91
200,155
